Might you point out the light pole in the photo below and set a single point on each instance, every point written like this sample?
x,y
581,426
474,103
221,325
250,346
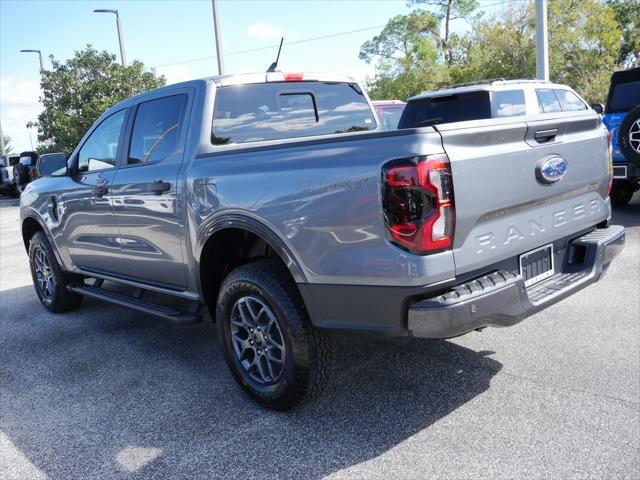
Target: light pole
x,y
542,41
29,126
216,28
123,55
39,57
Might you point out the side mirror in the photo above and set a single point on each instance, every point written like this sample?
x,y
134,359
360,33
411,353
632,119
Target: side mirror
x,y
52,165
598,108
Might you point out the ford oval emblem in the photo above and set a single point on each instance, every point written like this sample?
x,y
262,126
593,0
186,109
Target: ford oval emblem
x,y
551,170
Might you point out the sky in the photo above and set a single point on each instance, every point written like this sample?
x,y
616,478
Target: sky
x,y
177,39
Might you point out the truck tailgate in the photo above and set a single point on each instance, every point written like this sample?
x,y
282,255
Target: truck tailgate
x,y
503,205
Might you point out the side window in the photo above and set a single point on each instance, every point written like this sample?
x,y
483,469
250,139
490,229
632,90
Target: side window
x,y
99,151
508,103
569,101
156,129
547,101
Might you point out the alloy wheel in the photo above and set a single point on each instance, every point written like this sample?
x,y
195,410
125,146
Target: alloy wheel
x,y
44,275
634,136
257,340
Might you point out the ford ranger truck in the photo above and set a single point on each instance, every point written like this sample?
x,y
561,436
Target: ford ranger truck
x,y
277,204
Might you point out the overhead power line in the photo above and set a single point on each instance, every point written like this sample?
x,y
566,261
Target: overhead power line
x,y
240,52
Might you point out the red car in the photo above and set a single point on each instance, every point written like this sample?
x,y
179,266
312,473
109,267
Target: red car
x,y
389,112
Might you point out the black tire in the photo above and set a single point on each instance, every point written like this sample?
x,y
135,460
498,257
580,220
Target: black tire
x,y
307,351
20,178
56,298
621,193
630,146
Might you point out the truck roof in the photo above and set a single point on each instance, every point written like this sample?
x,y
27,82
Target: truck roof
x,y
245,79
489,85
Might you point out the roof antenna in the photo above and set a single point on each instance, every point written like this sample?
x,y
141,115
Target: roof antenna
x,y
274,65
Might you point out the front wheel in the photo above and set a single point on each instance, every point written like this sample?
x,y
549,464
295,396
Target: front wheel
x,y
49,280
268,342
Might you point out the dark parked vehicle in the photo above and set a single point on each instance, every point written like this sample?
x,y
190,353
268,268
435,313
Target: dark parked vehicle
x,y
622,118
277,204
24,171
7,162
389,112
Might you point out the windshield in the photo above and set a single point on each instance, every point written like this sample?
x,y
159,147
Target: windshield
x,y
624,97
446,109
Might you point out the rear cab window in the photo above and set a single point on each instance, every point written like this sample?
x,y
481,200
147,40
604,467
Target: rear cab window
x,y
280,110
462,107
458,107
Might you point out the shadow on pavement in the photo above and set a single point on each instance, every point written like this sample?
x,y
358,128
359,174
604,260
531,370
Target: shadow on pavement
x,y
105,392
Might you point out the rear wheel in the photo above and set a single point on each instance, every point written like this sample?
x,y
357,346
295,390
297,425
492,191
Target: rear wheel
x,y
621,193
49,280
269,344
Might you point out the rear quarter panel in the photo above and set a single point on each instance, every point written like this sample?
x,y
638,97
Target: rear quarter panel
x,y
322,199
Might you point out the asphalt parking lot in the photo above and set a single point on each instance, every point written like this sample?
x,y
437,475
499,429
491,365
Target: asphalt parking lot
x,y
104,392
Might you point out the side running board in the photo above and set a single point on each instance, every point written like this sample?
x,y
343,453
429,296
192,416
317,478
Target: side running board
x,y
183,317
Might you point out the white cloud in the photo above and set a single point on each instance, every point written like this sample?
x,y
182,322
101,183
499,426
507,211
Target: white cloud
x,y
19,105
264,30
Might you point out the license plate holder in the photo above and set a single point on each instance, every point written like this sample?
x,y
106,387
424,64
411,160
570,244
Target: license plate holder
x,y
536,265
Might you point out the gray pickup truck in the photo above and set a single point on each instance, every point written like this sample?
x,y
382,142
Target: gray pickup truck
x,y
277,205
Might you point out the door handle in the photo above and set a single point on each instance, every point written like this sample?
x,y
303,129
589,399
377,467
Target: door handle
x,y
99,190
158,187
543,136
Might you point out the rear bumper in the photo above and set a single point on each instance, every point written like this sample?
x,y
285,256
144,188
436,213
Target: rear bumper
x,y
501,299
625,171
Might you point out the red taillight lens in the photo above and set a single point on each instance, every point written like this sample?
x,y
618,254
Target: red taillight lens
x,y
293,77
417,198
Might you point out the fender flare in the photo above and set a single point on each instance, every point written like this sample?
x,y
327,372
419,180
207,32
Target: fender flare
x,y
34,216
257,227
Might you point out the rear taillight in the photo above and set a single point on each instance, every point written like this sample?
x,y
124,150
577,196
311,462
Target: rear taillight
x,y
609,158
417,199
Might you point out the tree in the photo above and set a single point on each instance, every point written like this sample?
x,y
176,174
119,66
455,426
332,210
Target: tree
x,y
407,54
587,41
77,92
446,12
584,42
584,45
7,144
499,46
627,13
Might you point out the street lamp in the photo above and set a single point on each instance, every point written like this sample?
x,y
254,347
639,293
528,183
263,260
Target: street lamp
x,y
39,56
123,56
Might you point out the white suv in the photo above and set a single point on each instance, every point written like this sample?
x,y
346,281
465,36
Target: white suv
x,y
494,99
